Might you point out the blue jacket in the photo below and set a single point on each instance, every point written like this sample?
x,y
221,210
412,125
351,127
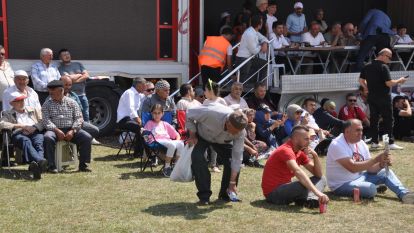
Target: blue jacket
x,y
375,21
262,129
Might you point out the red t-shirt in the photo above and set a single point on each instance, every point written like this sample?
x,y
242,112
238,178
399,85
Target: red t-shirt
x,y
351,113
276,172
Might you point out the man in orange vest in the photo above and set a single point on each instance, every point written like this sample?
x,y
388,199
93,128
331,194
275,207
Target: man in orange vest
x,y
215,54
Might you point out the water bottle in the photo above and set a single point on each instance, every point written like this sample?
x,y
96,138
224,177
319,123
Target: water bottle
x,y
233,196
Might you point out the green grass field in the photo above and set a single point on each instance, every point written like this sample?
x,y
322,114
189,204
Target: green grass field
x,y
116,197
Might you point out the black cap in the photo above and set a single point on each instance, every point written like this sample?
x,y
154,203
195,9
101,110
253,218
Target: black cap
x,y
55,83
264,108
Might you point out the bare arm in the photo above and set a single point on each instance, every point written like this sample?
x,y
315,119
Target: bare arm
x,y
355,167
394,82
314,167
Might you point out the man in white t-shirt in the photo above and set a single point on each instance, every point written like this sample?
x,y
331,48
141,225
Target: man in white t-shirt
x,y
313,38
349,165
270,19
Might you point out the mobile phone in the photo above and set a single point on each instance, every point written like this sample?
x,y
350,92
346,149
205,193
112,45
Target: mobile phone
x,y
407,76
279,116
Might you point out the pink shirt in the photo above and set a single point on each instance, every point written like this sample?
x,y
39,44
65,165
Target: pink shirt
x,y
161,130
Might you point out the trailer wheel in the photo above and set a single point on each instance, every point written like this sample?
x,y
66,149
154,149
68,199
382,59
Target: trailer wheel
x,y
103,104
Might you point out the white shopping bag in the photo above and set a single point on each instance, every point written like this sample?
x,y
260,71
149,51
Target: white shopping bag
x,y
182,169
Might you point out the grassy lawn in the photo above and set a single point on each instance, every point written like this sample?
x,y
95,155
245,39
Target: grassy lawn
x,y
115,197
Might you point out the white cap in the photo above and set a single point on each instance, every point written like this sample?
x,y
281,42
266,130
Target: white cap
x,y
225,14
20,73
16,96
298,5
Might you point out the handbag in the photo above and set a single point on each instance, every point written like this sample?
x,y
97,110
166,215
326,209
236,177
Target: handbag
x,y
182,169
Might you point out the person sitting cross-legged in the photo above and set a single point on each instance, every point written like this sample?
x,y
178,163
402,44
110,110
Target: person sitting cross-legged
x,y
284,163
26,132
349,165
166,135
62,118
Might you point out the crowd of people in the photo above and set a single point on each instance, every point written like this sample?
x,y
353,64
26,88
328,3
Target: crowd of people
x,y
229,132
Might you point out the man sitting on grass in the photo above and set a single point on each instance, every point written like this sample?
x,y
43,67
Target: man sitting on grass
x,y
349,165
284,163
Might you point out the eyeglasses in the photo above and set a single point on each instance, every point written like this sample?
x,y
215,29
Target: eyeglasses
x,y
150,90
298,112
388,56
352,100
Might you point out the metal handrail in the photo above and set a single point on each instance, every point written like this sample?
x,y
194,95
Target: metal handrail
x,y
198,75
244,62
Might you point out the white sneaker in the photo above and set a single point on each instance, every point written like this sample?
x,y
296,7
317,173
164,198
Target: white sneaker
x,y
395,147
95,142
375,145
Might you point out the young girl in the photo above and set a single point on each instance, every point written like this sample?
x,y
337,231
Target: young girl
x,y
166,135
211,91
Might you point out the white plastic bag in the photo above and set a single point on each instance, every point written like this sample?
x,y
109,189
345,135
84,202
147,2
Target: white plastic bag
x,y
182,169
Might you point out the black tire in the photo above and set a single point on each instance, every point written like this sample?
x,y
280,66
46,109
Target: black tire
x,y
103,104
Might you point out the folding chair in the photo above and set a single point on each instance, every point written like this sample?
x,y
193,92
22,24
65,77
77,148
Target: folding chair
x,y
127,141
153,149
6,145
181,117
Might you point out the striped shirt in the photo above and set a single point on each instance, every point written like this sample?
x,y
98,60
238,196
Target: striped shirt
x,y
42,75
63,115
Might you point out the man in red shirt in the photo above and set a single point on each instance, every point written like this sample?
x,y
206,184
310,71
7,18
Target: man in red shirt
x,y
352,111
284,164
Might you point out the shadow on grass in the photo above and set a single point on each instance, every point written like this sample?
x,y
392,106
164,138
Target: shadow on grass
x,y
15,174
114,157
284,208
147,174
189,211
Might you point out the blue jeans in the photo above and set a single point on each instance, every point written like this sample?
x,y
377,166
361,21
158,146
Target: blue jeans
x,y
85,107
31,145
368,182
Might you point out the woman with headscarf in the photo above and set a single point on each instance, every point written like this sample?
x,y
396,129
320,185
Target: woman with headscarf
x,y
294,118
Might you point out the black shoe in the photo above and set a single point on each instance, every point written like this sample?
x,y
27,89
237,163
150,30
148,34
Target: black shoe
x,y
43,165
257,164
84,169
35,169
381,188
224,198
167,171
203,203
5,164
311,204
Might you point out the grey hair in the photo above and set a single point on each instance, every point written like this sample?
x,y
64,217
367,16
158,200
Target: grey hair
x,y
138,80
44,51
237,84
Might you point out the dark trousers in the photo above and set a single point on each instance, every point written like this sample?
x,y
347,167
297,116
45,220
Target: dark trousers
x,y
210,73
42,96
31,146
403,126
200,170
381,107
82,139
250,68
131,125
91,129
295,192
380,42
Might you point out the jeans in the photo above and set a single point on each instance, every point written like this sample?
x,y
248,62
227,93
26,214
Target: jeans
x,y
31,145
201,172
82,139
90,129
368,182
85,107
381,107
295,192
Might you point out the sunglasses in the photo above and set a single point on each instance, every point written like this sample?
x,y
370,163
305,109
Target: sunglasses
x,y
352,100
150,90
2,54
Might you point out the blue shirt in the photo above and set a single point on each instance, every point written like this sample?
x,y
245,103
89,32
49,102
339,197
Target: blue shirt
x,y
375,21
296,23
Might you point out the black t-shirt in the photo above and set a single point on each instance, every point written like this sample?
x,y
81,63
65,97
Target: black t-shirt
x,y
376,74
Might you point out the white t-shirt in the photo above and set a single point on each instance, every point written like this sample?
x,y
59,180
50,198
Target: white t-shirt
x,y
24,119
313,41
269,22
312,121
406,39
336,174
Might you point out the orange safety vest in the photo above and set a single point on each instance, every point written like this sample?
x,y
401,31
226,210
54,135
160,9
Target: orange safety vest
x,y
214,52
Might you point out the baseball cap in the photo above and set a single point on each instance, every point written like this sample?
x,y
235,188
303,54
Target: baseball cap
x,y
298,5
